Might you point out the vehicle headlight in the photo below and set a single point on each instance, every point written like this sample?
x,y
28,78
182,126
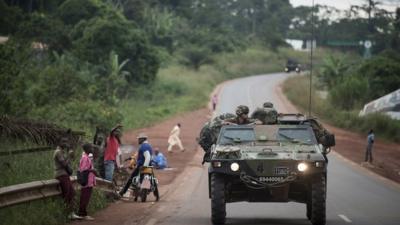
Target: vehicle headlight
x,y
216,164
234,167
302,167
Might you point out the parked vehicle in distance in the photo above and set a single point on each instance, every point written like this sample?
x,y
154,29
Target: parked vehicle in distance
x,y
292,65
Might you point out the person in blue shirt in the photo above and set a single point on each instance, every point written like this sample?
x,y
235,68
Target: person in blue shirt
x,y
159,161
370,143
143,159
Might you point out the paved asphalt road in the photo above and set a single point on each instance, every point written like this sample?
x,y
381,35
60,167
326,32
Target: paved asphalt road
x,y
354,196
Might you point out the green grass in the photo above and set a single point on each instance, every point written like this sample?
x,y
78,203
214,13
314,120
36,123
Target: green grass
x,y
49,211
297,91
23,168
180,89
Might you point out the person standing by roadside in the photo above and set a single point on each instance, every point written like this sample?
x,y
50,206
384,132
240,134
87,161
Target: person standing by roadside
x,y
174,138
370,143
214,101
62,158
111,152
86,166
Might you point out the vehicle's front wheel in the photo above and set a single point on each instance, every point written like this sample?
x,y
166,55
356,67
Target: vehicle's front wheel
x,y
318,201
218,204
309,209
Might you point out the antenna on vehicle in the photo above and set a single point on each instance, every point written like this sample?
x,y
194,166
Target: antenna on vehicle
x,y
311,56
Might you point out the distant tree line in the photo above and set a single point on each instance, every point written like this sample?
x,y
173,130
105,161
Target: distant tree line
x,y
368,21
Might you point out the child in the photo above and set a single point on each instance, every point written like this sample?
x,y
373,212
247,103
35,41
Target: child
x,y
86,191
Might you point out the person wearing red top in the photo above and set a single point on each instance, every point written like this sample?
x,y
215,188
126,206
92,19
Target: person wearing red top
x,y
110,154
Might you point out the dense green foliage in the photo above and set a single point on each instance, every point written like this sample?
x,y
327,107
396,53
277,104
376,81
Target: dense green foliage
x,y
384,126
351,83
72,62
82,64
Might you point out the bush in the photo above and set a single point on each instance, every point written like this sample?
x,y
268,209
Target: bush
x,y
96,38
384,126
350,93
383,74
46,30
196,56
81,114
10,18
73,11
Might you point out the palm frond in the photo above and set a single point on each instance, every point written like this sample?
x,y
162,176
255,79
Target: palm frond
x,y
41,133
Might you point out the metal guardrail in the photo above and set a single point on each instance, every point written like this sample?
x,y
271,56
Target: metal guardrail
x,y
21,193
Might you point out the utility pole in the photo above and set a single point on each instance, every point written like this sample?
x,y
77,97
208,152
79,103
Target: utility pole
x,y
311,58
369,11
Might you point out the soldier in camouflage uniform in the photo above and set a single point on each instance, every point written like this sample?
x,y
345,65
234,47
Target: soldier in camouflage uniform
x,y
242,117
209,132
267,114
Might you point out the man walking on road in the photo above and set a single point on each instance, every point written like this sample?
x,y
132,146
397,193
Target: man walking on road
x,y
370,142
174,138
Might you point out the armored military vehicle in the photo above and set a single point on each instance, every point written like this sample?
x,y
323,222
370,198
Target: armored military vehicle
x,y
281,162
292,65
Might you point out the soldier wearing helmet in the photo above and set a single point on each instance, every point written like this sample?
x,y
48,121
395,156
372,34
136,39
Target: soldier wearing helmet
x,y
143,159
268,105
267,114
242,117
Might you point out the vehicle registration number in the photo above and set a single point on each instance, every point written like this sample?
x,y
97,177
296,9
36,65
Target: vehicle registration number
x,y
270,179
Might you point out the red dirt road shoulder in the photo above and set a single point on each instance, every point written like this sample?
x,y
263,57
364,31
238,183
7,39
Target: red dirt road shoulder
x,y
129,212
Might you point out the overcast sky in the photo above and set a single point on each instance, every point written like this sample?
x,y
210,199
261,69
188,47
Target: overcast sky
x,y
344,4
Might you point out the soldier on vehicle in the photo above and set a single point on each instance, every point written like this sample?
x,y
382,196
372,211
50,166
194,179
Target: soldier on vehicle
x,y
267,114
242,117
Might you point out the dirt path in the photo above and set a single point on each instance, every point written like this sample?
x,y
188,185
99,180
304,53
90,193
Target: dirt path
x,y
128,212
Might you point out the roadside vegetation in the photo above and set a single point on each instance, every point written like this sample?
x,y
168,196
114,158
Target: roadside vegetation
x,y
82,64
350,82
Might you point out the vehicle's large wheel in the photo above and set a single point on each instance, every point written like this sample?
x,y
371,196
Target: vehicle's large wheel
x,y
318,201
218,204
309,209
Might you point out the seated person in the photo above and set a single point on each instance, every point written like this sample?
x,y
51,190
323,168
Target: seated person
x,y
159,161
